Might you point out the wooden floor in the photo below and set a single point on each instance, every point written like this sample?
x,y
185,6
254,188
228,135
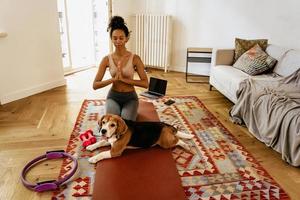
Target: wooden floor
x,y
31,126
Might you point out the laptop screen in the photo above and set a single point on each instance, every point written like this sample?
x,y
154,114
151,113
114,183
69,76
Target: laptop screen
x,y
157,85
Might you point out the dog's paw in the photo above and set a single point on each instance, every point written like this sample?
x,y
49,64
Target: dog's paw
x,y
193,151
91,148
93,160
184,135
186,147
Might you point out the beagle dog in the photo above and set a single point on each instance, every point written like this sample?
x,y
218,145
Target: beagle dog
x,y
121,134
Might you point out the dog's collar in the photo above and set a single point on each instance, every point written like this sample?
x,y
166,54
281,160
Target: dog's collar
x,y
51,184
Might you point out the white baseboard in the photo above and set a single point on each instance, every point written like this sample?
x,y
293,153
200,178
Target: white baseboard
x,y
6,98
177,68
170,68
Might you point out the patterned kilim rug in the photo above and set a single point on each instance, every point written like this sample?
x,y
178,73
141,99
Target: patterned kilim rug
x,y
220,168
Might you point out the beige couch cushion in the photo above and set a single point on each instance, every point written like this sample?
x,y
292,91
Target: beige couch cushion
x,y
288,64
227,79
276,51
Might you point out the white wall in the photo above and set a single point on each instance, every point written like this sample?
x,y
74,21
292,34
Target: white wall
x,y
126,9
30,57
216,23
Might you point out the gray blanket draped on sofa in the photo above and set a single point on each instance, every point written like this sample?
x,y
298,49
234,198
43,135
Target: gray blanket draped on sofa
x,y
271,111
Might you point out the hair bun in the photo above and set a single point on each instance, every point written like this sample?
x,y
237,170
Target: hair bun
x,y
116,21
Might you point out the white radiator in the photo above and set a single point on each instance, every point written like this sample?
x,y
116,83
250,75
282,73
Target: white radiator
x,y
153,39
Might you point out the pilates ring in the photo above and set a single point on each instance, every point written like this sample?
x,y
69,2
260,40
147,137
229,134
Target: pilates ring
x,y
51,184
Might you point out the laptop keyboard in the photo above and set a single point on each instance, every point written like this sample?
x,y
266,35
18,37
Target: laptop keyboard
x,y
152,96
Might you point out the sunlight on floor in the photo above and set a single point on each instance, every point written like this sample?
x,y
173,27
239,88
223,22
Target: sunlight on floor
x,y
82,83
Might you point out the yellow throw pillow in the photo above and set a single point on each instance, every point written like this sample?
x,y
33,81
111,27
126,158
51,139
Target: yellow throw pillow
x,y
241,46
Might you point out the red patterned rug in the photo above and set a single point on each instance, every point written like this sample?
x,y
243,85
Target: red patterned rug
x,y
220,167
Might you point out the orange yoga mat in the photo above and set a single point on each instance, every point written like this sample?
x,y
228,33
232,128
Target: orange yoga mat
x,y
140,174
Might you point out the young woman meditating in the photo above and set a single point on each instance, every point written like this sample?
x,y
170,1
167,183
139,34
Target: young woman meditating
x,y
122,99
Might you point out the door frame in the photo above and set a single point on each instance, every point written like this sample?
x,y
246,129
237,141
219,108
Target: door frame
x,y
69,69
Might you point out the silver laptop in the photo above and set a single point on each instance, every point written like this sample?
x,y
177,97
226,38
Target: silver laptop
x,y
157,88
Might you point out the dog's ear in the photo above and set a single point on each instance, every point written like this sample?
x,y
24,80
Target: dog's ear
x,y
100,121
122,127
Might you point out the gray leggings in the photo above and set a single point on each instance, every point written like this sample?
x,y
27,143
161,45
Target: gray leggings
x,y
124,104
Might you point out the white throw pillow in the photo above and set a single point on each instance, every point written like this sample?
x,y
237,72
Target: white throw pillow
x,y
288,64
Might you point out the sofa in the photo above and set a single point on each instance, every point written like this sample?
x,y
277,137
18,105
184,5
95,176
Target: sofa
x,y
269,103
226,79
